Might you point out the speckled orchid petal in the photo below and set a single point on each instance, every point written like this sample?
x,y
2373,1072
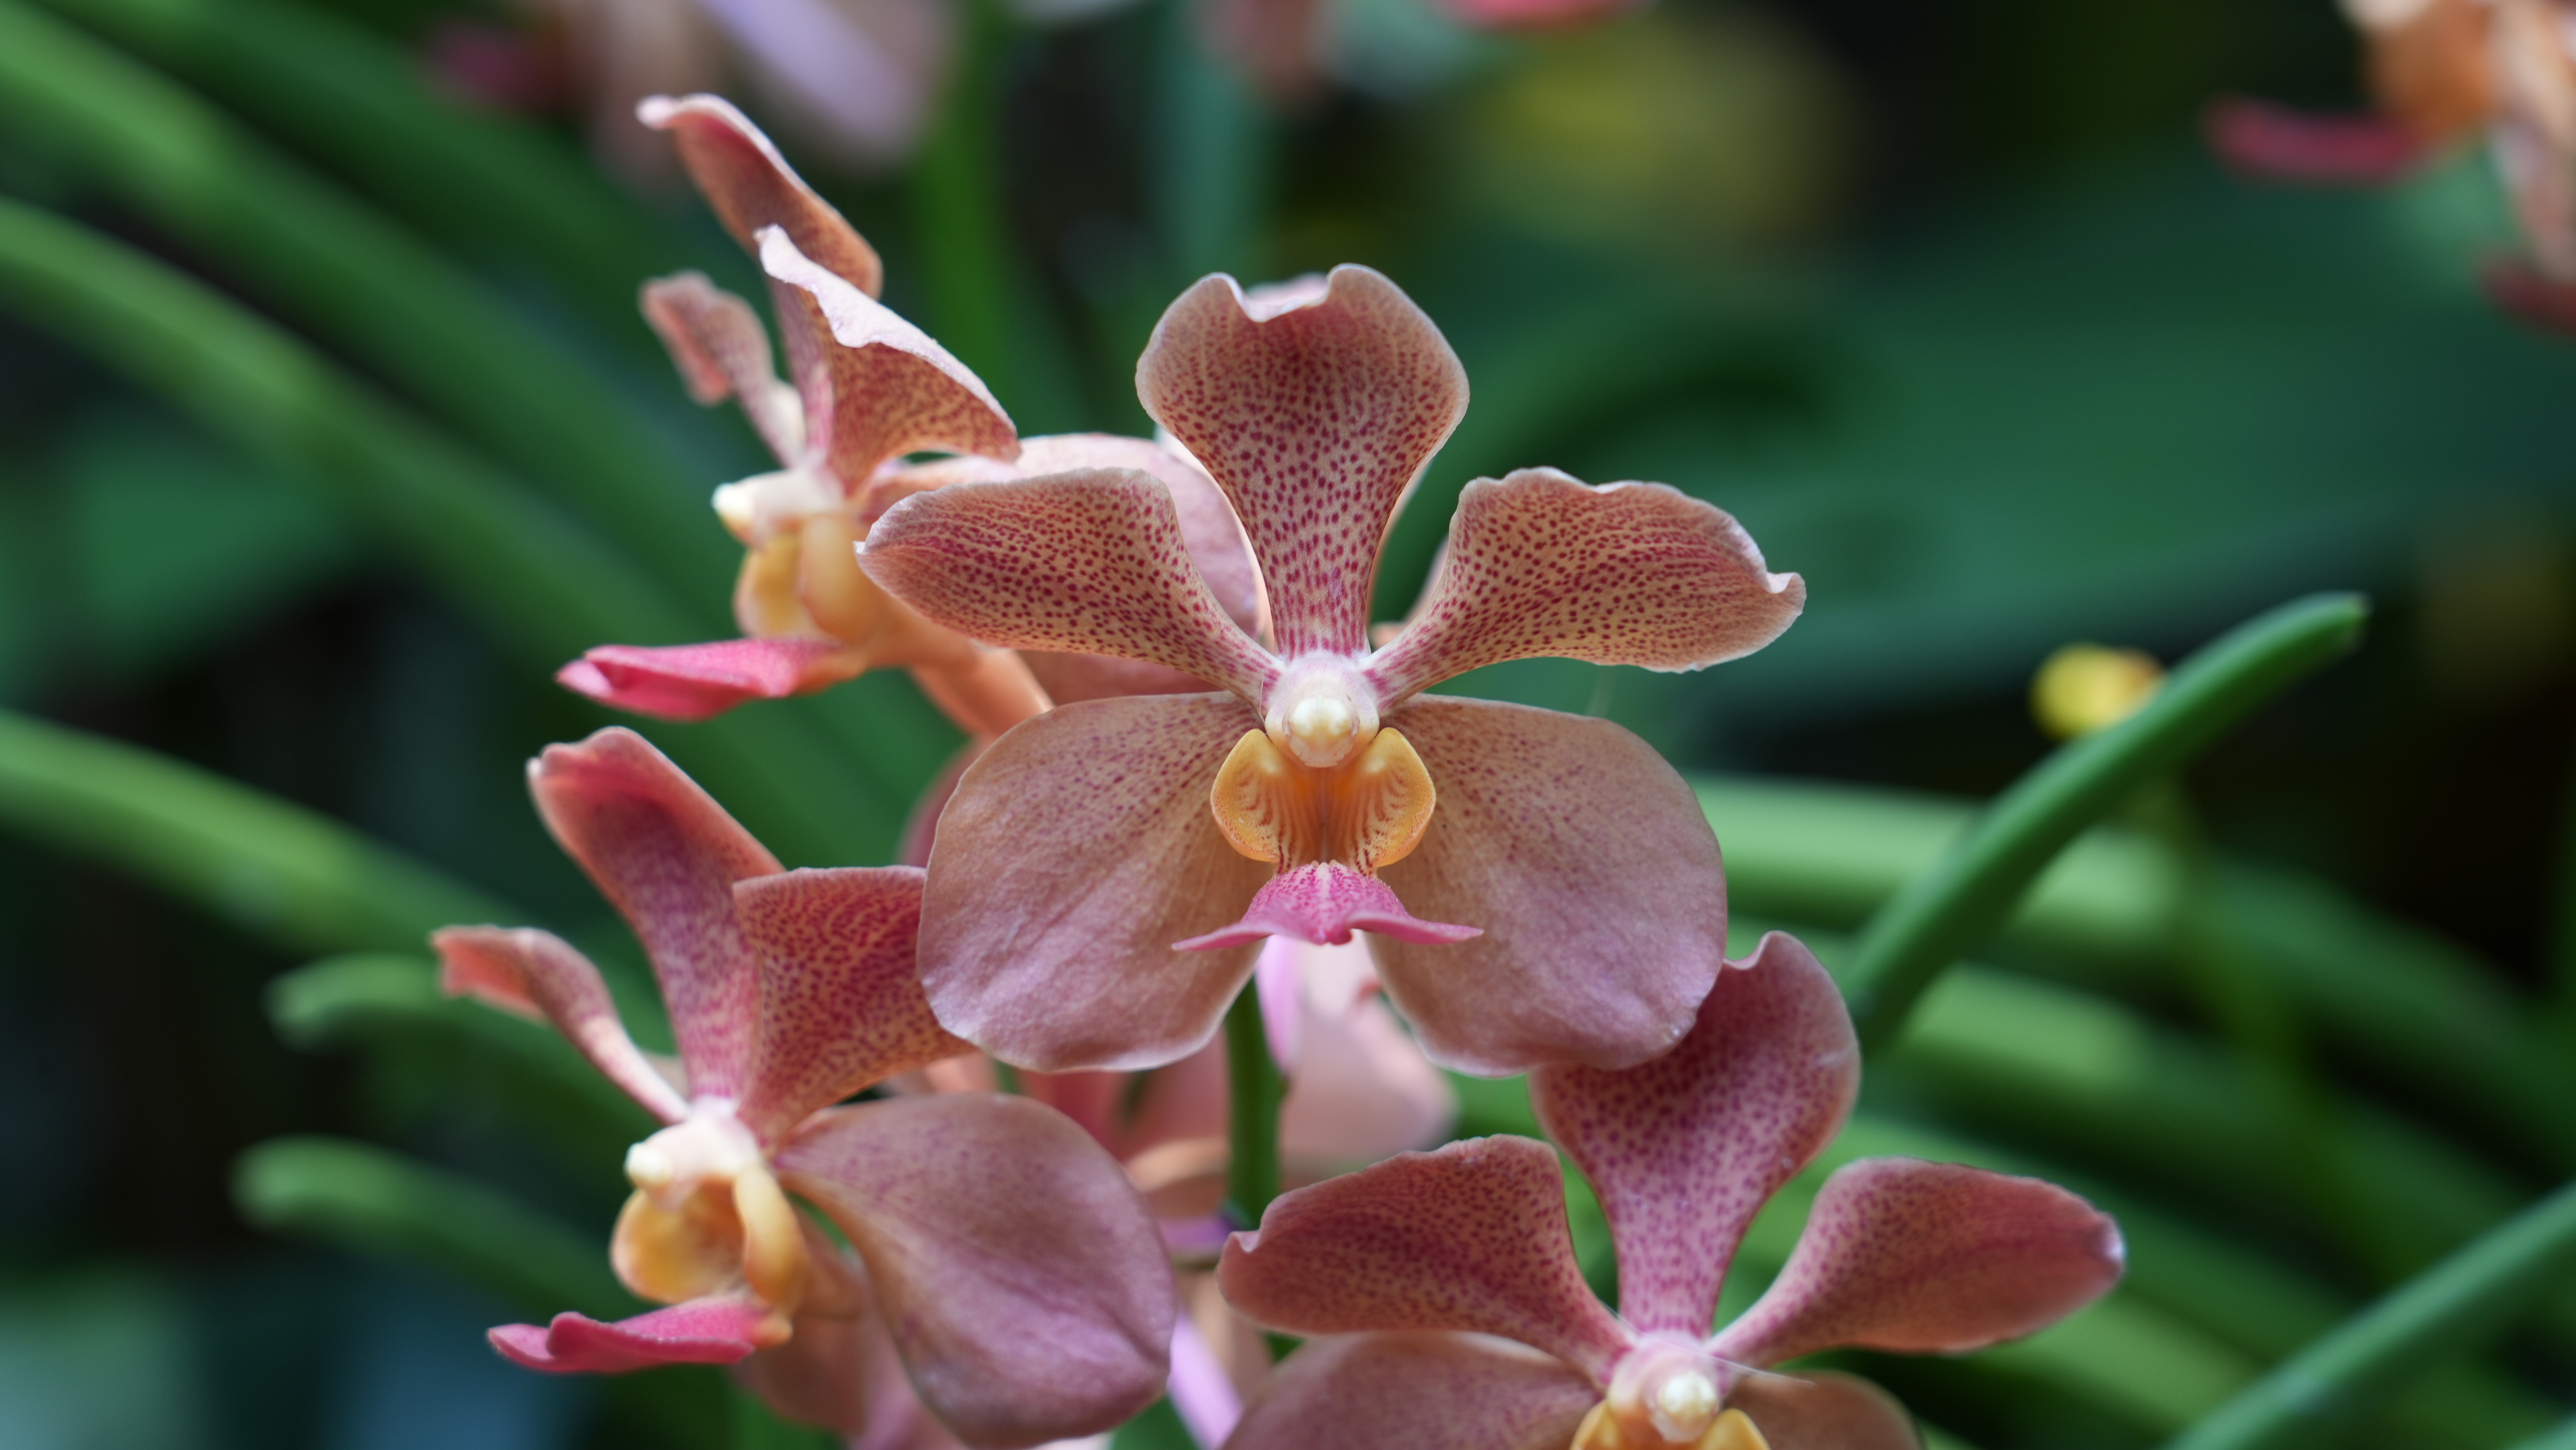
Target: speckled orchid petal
x,y
1593,872
722,351
1472,1237
1820,1410
666,856
1539,564
1093,562
1024,1284
841,1005
1416,1392
720,1329
700,681
1314,419
1323,904
1928,1258
1073,854
751,186
892,390
540,974
1684,1150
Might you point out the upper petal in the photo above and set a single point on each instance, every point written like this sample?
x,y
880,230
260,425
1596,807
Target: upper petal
x,y
722,351
1416,1392
891,390
1928,1258
701,681
1025,1287
1684,1150
666,856
1093,562
751,186
1074,853
526,971
1820,1410
1470,1237
1593,872
840,994
1624,574
1314,419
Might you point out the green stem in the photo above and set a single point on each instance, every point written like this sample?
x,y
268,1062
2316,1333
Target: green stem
x,y
2376,1352
1959,902
1252,1165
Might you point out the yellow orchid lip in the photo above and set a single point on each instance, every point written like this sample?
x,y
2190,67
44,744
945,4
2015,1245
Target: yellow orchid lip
x,y
1368,811
707,1215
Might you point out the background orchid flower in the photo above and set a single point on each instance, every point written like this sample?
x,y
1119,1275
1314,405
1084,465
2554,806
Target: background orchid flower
x,y
1102,874
1408,1264
1022,1285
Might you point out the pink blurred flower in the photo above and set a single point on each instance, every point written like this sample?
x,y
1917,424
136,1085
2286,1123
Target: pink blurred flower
x,y
1457,1319
868,388
1001,1259
1104,872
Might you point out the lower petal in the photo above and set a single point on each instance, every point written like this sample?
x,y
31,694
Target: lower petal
x,y
715,1330
1824,1412
1323,905
696,681
1425,1391
1590,866
2270,140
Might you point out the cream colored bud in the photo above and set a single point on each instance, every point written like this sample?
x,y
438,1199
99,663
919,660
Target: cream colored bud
x,y
648,1167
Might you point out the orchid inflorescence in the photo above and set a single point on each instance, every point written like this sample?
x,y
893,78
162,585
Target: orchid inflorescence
x,y
1195,765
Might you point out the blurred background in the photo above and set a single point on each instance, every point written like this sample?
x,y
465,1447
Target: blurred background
x,y
328,428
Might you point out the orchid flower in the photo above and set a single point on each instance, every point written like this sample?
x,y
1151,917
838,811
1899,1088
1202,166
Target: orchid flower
x,y
1019,1280
1409,1265
2440,72
1103,872
869,388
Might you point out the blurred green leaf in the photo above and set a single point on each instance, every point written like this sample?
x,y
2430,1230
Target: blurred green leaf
x,y
1970,891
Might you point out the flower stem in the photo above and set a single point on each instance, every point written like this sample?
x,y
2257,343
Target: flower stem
x,y
2410,1331
1966,895
1252,1165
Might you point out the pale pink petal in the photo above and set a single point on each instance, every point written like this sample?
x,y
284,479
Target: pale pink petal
x,y
1324,904
859,77
1200,1391
1416,1392
1535,14
1820,1410
751,186
2262,138
893,391
1684,1150
722,352
1276,980
538,973
840,995
698,681
1088,562
1023,1282
1314,420
1928,1258
718,1330
666,856
1539,564
1362,1089
1074,853
1472,1237
1593,872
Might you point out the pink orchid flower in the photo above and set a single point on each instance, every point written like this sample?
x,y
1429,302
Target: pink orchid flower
x,y
1103,872
1004,1256
1409,1265
869,388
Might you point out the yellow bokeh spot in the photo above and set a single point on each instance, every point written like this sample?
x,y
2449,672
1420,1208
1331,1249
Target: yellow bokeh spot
x,y
2087,687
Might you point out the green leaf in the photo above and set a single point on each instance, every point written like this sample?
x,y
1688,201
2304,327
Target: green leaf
x,y
1968,894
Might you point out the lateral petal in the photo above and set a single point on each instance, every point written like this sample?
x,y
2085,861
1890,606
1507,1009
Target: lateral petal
x,y
841,1004
1593,872
751,186
1314,416
538,973
1416,1392
1539,564
700,681
722,351
1685,1149
719,1329
1074,853
1469,1237
1928,1258
1091,562
666,856
1023,1282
